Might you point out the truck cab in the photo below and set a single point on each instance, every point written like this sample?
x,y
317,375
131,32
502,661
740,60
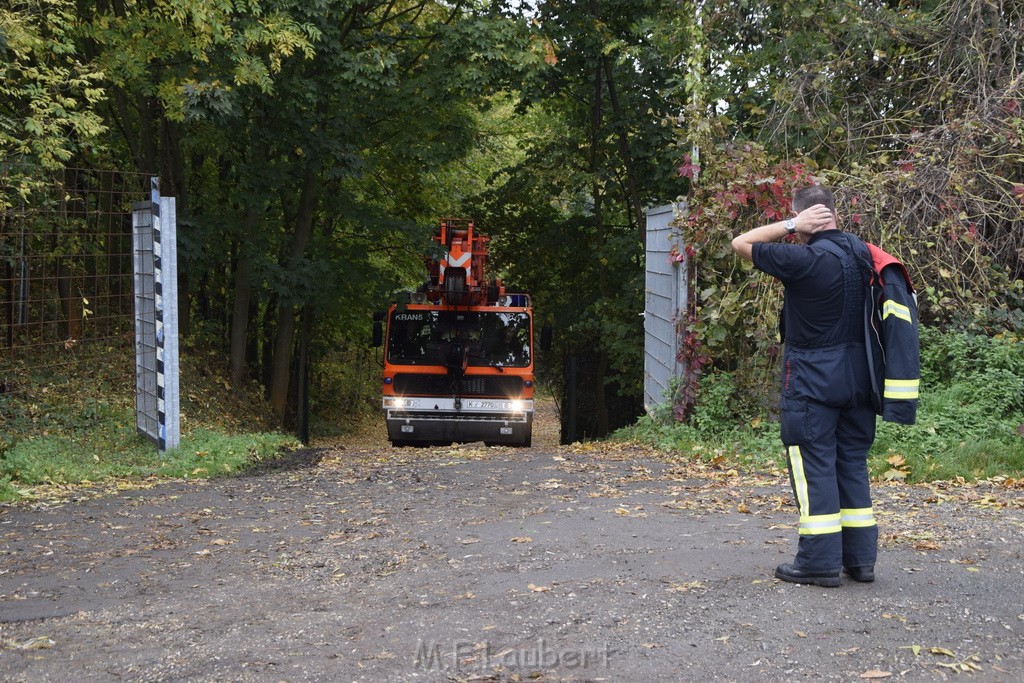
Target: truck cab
x,y
458,353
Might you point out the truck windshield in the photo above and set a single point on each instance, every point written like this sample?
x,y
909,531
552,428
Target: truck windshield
x,y
425,337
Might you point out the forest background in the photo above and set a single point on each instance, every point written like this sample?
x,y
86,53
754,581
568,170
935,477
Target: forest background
x,y
312,146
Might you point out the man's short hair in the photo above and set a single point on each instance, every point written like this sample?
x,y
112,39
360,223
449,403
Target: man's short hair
x,y
815,194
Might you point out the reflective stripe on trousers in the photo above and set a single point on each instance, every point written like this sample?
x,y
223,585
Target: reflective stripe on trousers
x,y
809,524
857,517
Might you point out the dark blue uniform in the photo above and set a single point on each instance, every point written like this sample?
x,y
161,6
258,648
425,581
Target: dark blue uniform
x,y
828,418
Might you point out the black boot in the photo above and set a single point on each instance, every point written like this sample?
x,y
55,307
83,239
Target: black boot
x,y
788,572
862,574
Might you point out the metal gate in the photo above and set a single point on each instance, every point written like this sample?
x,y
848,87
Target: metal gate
x,y
666,302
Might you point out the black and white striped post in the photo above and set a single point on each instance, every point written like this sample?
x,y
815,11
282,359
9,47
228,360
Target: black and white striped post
x,y
157,398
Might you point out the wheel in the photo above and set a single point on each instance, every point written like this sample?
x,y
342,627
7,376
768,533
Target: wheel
x,y
525,443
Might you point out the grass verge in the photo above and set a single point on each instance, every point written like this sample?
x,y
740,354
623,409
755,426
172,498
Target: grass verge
x,y
73,422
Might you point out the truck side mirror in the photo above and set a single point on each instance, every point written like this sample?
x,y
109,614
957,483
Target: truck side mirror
x,y
378,329
545,337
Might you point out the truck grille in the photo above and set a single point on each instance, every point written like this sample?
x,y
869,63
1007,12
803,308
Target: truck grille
x,y
442,385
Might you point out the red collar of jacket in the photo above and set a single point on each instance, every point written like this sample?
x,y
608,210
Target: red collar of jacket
x,y
881,259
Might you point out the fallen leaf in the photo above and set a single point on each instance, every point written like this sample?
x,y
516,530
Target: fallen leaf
x,y
38,643
895,475
800,633
522,539
538,589
941,651
686,587
876,673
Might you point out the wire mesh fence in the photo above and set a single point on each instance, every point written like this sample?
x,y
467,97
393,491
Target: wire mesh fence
x,y
66,282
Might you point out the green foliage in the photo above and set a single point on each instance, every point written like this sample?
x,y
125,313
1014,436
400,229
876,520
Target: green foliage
x,y
48,90
913,113
714,411
345,386
951,356
567,212
719,428
734,308
971,415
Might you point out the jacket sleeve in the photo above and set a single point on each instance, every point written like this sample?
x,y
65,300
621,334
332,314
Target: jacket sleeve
x,y
902,348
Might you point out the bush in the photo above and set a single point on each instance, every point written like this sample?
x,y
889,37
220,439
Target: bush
x,y
949,355
971,413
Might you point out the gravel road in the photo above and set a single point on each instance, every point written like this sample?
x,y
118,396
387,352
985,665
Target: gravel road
x,y
359,562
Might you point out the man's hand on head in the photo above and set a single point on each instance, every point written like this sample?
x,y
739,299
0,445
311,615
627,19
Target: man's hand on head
x,y
809,221
814,219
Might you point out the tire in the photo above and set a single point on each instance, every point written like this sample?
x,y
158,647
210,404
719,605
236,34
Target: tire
x,y
525,443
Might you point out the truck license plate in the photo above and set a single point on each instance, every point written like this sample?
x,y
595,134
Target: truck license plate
x,y
478,405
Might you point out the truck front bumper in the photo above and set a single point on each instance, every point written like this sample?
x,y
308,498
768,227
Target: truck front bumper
x,y
446,420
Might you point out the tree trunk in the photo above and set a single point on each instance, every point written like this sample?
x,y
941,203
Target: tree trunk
x,y
302,380
285,313
267,346
601,426
252,342
627,157
71,302
240,309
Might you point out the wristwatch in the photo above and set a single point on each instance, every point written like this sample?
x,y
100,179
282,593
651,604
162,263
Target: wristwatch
x,y
790,226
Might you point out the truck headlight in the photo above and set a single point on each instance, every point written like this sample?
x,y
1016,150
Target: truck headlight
x,y
397,402
517,405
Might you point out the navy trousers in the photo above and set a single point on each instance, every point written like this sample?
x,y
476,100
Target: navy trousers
x,y
829,474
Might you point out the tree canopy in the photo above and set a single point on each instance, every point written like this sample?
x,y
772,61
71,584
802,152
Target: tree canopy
x,y
313,146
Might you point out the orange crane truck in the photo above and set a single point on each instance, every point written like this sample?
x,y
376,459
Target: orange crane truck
x,y
458,352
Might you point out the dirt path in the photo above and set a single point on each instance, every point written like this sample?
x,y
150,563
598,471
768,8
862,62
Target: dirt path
x,y
365,563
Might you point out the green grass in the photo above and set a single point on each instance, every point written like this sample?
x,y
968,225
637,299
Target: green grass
x,y
64,460
754,446
74,422
934,449
953,437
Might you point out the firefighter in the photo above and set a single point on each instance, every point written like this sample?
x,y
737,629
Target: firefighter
x,y
827,413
